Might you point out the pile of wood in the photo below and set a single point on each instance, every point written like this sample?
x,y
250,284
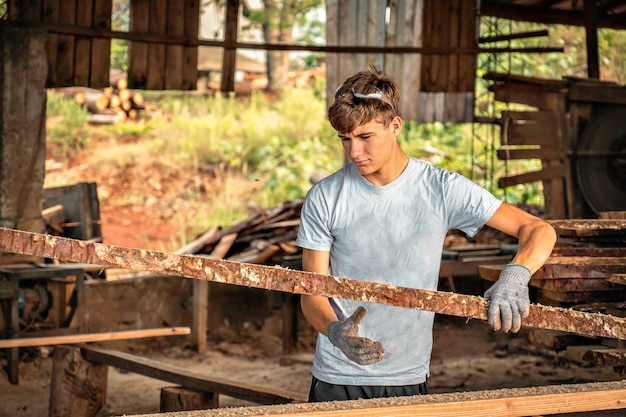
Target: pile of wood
x,y
585,272
113,104
268,236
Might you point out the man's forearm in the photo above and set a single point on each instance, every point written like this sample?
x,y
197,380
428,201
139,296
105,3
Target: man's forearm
x,y
318,312
536,242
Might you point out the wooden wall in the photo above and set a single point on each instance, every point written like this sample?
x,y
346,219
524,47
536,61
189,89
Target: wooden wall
x,y
436,81
155,66
77,60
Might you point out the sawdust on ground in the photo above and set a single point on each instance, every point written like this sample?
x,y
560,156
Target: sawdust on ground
x,y
466,357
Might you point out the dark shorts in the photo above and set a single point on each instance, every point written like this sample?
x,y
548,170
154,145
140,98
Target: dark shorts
x,y
323,391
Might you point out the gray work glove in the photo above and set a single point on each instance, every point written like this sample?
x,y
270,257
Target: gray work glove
x,y
344,335
508,299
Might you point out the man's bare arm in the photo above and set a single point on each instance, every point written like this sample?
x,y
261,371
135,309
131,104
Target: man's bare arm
x,y
317,309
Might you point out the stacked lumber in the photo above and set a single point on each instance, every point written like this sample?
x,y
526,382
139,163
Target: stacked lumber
x,y
587,272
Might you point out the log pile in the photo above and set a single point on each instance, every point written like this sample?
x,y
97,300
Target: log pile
x,y
585,272
112,104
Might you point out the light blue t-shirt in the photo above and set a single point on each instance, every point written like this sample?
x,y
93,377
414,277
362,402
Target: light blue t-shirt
x,y
392,234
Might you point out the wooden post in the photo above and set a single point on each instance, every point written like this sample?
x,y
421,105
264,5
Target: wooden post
x,y
229,56
185,399
591,32
22,127
78,387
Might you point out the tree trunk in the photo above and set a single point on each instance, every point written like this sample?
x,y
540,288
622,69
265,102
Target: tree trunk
x,y
278,29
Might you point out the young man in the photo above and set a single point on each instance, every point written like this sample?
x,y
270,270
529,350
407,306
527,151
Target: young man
x,y
383,218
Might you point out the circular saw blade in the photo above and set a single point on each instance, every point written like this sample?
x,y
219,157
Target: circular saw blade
x,y
601,160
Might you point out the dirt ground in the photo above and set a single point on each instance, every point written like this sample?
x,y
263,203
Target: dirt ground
x,y
466,357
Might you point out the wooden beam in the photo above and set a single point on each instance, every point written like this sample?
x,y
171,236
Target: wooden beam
x,y
191,379
591,31
281,279
516,402
597,93
542,175
229,54
539,14
92,337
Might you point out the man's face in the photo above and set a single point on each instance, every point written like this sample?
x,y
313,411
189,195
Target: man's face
x,y
371,147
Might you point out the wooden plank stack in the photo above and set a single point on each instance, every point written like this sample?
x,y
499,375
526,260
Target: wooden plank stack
x,y
585,272
436,69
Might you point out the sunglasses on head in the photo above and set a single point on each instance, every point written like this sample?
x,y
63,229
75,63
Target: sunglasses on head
x,y
358,92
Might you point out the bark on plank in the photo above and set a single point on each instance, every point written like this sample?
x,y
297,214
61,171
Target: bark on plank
x,y
298,282
511,402
591,227
566,268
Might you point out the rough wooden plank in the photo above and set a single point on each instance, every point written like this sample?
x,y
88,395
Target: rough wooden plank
x,y
543,134
542,175
557,267
175,26
617,279
198,243
66,46
510,153
518,402
99,70
190,53
598,93
589,251
605,356
574,285
93,337
191,379
84,17
583,296
589,227
297,282
156,51
555,340
138,51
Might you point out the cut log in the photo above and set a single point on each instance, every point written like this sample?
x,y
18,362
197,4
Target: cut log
x,y
78,387
298,282
185,399
93,337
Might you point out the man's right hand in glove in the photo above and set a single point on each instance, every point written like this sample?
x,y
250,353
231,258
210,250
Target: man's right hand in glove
x,y
344,335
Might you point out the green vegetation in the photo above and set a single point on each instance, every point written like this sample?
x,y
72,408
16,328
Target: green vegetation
x,y
67,130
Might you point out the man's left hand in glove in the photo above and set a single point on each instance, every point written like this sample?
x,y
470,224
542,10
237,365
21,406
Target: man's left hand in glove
x,y
508,299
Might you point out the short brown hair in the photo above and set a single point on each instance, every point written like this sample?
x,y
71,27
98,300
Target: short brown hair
x,y
363,97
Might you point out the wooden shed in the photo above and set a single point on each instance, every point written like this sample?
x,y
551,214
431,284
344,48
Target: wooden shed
x,y
430,47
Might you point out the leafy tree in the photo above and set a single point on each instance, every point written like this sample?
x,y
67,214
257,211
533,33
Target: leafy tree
x,y
278,18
